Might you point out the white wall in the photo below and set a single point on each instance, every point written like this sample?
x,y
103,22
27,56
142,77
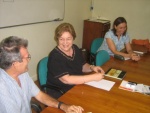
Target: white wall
x,y
40,36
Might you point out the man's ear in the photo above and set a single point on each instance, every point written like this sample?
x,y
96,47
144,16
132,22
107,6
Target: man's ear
x,y
15,64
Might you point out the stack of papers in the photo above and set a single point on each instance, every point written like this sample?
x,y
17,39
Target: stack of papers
x,y
141,88
127,85
134,87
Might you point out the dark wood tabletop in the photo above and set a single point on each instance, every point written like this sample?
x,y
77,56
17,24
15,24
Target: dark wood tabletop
x,y
116,100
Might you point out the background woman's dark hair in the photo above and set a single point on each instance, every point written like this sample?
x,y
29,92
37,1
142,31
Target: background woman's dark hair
x,y
118,21
64,27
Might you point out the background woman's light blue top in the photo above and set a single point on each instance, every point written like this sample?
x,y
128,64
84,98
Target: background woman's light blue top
x,y
120,44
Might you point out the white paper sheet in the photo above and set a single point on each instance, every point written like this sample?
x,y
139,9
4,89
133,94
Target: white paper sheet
x,y
126,58
138,52
102,84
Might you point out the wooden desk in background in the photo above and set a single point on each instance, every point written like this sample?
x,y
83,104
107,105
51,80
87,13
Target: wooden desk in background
x,y
116,100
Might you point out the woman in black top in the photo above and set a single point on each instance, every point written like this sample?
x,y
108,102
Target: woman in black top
x,y
66,64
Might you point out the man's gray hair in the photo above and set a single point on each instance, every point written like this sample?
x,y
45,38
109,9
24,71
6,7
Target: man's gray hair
x,y
10,51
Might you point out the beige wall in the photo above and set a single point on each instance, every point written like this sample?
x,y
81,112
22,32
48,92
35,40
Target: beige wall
x,y
40,36
136,12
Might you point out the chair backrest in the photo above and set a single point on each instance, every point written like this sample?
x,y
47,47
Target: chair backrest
x,y
36,107
102,57
96,43
42,71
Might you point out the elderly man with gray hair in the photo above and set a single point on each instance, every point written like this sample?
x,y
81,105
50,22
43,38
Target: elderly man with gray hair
x,y
16,86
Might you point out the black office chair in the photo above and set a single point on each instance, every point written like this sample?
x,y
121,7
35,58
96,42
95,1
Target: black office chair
x,y
36,107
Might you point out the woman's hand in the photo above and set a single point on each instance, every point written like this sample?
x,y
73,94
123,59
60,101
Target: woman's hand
x,y
98,76
99,72
71,108
135,57
97,69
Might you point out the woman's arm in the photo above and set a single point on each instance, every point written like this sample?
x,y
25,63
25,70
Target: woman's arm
x,y
130,53
89,68
81,79
128,48
112,47
86,68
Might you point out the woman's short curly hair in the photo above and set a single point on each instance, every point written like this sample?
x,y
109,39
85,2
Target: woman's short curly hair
x,y
64,27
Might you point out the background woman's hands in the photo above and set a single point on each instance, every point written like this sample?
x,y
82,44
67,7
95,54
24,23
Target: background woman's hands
x,y
135,57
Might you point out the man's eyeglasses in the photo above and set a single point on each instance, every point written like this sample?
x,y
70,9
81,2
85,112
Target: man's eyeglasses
x,y
28,57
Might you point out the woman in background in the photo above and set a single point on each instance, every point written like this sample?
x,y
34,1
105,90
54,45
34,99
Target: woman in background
x,y
66,64
117,39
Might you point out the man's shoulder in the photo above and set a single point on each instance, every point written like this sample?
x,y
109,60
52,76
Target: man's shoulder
x,y
1,78
3,86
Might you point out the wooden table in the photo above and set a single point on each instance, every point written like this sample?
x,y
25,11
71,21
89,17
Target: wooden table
x,y
116,100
